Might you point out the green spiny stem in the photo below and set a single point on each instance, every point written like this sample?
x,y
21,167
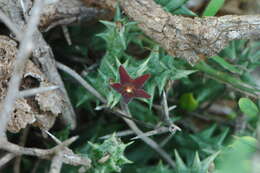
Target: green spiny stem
x,y
227,79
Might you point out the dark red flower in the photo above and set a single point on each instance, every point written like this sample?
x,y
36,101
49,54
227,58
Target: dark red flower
x,y
130,88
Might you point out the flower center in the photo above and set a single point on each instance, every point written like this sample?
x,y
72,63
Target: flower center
x,y
129,89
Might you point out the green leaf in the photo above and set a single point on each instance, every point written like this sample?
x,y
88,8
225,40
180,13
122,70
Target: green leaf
x,y
213,7
173,5
160,168
206,163
150,88
236,157
226,78
226,65
249,78
196,165
108,24
118,15
176,7
188,102
208,141
142,67
183,10
142,112
180,165
178,73
161,80
248,107
209,90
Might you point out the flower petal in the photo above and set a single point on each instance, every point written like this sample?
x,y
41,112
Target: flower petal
x,y
124,77
141,93
117,86
139,82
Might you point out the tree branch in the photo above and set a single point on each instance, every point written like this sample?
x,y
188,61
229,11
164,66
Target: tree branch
x,y
81,81
10,25
34,91
65,12
184,37
190,38
6,158
67,157
41,153
56,163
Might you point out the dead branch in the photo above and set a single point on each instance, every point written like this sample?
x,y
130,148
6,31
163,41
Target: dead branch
x,y
44,56
81,81
184,37
166,117
119,134
66,34
65,12
41,153
190,38
34,91
68,153
5,19
56,163
157,131
6,158
68,158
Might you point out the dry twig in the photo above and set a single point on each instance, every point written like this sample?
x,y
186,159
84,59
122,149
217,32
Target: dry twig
x,y
6,158
65,12
41,153
67,157
10,25
66,34
119,134
81,81
68,153
34,91
172,127
56,163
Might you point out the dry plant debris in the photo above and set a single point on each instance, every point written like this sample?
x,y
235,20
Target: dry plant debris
x,y
40,110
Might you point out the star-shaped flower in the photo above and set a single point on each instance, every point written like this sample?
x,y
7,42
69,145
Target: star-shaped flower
x,y
130,88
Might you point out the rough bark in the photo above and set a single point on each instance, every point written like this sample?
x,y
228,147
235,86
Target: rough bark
x,y
67,11
188,38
